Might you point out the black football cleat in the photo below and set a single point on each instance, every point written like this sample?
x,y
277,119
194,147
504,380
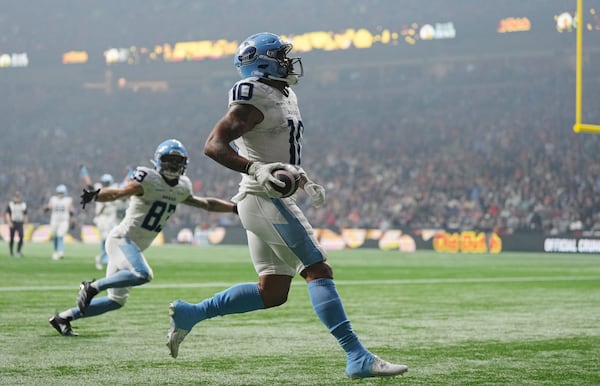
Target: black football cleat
x,y
63,326
86,293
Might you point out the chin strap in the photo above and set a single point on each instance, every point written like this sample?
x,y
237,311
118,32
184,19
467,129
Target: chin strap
x,y
290,79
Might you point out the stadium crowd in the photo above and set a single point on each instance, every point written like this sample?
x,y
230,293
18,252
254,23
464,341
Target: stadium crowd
x,y
482,145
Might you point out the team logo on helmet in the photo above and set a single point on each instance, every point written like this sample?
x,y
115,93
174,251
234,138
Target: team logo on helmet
x,y
247,53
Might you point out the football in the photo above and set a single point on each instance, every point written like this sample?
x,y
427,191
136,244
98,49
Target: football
x,y
292,181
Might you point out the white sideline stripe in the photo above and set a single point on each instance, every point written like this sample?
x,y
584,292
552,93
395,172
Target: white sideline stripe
x,y
338,282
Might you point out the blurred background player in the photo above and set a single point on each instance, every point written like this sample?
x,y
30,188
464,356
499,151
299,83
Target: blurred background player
x,y
61,209
16,217
264,122
154,195
105,219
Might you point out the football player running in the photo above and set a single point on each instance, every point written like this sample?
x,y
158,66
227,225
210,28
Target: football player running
x,y
61,210
264,123
105,219
154,195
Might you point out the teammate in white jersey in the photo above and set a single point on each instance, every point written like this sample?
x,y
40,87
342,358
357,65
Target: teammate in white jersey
x,y
105,219
154,195
264,122
61,209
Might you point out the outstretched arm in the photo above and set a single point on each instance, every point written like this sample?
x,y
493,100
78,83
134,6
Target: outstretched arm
x,y
211,204
133,188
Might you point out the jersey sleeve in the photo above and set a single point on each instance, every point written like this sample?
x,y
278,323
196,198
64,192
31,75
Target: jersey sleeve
x,y
145,177
250,92
187,184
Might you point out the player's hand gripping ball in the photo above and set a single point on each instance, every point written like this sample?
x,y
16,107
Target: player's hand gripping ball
x,y
291,180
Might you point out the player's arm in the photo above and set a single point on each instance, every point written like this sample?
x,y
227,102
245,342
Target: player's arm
x,y
211,204
48,206
239,119
133,188
85,177
8,217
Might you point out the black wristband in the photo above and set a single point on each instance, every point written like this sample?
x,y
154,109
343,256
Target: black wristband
x,y
235,209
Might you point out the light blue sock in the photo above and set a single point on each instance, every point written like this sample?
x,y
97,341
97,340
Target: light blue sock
x,y
328,307
104,254
238,299
55,242
97,306
121,279
60,244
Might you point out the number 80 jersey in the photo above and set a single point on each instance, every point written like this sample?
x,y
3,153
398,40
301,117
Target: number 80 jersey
x,y
146,214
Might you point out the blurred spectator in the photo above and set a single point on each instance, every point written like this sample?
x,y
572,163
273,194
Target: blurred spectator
x,y
487,146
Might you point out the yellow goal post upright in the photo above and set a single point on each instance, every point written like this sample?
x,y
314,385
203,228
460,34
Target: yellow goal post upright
x,y
580,127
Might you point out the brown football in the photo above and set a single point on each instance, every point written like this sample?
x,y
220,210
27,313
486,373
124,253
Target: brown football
x,y
291,182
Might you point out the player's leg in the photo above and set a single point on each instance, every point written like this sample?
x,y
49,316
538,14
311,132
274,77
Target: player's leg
x,y
11,241
59,243
130,265
127,267
101,258
20,232
275,275
271,291
326,302
184,316
116,299
329,308
275,278
62,320
321,289
54,239
104,255
240,298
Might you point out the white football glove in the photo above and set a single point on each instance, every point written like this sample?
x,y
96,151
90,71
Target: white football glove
x,y
262,173
315,191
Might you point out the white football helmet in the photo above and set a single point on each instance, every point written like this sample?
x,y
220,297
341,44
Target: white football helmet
x,y
107,179
61,189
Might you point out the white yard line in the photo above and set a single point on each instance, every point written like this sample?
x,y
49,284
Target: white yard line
x,y
339,282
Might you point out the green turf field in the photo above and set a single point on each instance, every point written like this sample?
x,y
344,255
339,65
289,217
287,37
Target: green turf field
x,y
508,319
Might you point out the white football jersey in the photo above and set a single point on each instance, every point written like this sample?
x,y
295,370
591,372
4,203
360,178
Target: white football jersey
x,y
17,211
146,214
59,208
278,138
106,216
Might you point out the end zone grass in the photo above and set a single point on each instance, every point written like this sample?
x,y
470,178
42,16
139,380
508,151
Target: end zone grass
x,y
508,319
